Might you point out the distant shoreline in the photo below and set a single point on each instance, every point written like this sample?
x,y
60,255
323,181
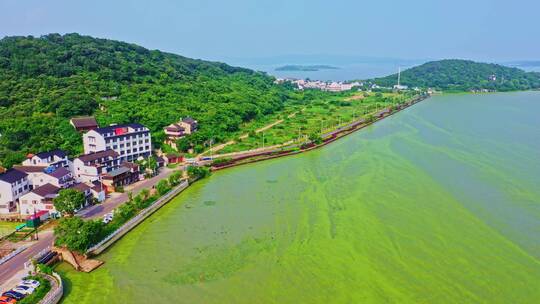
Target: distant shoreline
x,y
305,68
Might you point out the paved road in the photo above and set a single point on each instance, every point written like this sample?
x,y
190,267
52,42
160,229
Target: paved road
x,y
117,199
16,264
46,238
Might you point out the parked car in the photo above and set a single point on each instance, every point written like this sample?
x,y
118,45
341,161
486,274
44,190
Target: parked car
x,y
13,294
7,300
26,290
32,283
108,217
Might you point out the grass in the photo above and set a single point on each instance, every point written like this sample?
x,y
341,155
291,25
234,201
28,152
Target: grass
x,y
7,227
321,115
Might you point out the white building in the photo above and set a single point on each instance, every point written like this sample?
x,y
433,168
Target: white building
x,y
38,176
41,198
13,184
88,167
55,158
130,141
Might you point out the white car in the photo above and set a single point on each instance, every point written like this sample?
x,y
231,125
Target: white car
x,y
32,283
24,289
107,218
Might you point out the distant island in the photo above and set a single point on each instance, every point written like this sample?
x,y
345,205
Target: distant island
x,y
306,68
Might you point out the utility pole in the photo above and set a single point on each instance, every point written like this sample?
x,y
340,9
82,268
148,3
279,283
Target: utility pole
x,y
399,77
36,228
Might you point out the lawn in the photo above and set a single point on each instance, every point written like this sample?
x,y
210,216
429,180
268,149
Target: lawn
x,y
321,115
7,227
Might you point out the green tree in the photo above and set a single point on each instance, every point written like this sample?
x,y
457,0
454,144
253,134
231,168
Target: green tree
x,y
163,187
198,172
76,234
145,193
68,200
315,138
174,178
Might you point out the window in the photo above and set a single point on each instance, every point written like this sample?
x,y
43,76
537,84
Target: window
x,y
91,139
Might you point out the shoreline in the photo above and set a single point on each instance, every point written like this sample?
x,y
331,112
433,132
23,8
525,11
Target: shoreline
x,y
328,139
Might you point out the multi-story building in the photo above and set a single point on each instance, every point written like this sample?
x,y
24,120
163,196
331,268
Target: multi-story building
x,y
13,184
39,175
130,141
55,158
89,167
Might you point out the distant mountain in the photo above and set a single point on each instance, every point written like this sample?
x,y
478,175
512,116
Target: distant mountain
x,y
464,75
524,63
47,80
306,68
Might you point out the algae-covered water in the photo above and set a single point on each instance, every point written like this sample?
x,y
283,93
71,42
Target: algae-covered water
x,y
437,204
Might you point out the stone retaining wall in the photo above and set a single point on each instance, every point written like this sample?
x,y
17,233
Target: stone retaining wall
x,y
57,290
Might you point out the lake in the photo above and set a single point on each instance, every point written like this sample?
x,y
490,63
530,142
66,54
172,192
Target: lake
x,y
344,72
439,203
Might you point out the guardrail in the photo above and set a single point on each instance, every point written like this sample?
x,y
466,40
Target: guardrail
x,y
57,290
117,234
29,264
12,254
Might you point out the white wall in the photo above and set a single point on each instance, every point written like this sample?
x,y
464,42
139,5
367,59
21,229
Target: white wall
x,y
82,173
31,202
93,142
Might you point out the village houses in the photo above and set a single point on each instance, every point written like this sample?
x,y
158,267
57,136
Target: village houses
x,y
105,166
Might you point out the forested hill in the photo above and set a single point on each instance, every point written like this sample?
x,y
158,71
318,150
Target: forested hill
x,y
464,75
47,80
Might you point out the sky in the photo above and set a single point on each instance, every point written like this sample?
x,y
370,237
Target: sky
x,y
486,30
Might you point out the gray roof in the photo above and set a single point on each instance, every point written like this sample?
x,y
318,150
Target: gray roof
x,y
110,129
98,155
118,171
84,122
45,155
46,190
60,172
12,176
30,169
82,187
189,120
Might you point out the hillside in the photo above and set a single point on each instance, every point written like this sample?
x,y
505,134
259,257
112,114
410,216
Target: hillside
x,y
464,75
47,80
